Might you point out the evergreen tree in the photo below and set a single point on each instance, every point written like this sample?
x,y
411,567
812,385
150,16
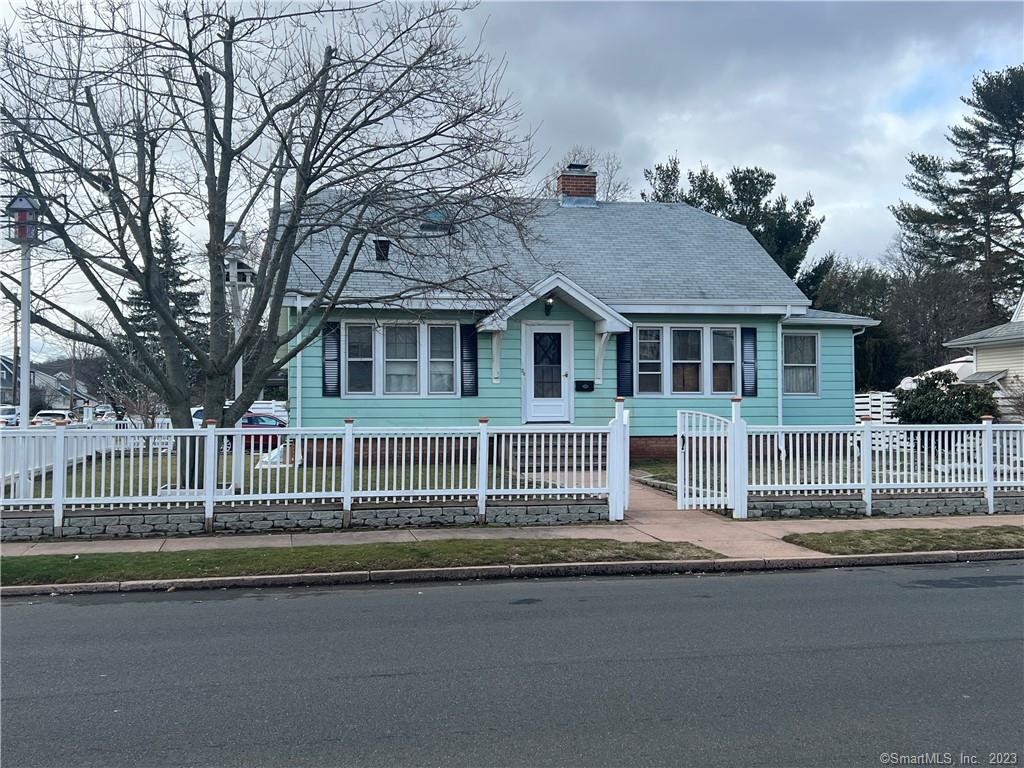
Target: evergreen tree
x,y
786,230
971,217
184,299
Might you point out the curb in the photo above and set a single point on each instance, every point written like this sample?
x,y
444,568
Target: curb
x,y
532,571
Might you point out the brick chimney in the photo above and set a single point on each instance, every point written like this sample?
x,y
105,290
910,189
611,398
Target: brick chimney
x,y
577,184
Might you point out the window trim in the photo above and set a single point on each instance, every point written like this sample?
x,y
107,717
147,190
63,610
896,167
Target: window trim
x,y
422,358
454,360
417,360
737,360
372,359
706,355
817,364
636,358
672,361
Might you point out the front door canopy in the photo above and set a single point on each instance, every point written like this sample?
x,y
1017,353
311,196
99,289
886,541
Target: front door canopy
x,y
606,319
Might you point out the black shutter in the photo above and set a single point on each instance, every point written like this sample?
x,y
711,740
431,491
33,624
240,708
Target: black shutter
x,y
467,348
624,364
748,348
330,341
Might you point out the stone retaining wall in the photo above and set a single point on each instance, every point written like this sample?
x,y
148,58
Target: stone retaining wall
x,y
909,506
136,526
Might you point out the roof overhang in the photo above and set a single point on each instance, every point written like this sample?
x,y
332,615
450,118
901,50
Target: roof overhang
x,y
708,308
849,322
606,319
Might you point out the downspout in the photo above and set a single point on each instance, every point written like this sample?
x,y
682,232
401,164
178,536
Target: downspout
x,y
853,368
298,368
778,342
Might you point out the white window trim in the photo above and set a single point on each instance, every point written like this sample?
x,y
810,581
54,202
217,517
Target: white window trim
x,y
666,360
817,364
737,356
454,359
345,360
702,362
422,360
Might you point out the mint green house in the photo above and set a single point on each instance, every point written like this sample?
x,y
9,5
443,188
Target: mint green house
x,y
665,305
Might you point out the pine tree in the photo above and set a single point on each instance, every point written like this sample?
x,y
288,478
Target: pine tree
x,y
185,300
971,219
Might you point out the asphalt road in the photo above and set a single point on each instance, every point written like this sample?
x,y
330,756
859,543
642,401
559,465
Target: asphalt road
x,y
816,668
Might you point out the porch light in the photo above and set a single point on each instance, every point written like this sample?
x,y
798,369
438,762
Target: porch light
x,y
549,302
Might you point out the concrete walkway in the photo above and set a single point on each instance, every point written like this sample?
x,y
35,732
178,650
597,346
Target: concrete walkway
x,y
652,517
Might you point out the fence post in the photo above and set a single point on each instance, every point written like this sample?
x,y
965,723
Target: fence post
x,y
988,460
617,473
737,460
209,474
625,458
481,470
348,460
865,461
59,473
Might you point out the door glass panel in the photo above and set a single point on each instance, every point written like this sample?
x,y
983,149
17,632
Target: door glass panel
x,y
547,365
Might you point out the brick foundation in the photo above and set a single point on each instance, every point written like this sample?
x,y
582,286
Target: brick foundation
x,y
660,447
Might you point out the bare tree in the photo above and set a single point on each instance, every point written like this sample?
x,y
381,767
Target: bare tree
x,y
310,129
611,184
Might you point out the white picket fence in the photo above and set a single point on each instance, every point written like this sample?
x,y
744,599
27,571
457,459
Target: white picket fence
x,y
730,460
878,405
210,466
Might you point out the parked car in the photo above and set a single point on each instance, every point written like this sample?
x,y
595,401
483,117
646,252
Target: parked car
x,y
49,417
8,415
261,442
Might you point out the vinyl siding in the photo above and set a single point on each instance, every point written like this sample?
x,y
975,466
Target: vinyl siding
x,y
650,415
1009,357
834,402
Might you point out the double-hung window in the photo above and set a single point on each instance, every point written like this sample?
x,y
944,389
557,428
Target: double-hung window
x,y
359,360
649,360
800,363
441,368
687,346
698,360
404,359
723,360
401,360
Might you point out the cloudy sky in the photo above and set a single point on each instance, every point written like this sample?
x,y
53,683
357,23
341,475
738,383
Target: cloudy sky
x,y
829,96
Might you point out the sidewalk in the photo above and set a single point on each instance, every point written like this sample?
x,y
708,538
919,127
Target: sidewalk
x,y
652,517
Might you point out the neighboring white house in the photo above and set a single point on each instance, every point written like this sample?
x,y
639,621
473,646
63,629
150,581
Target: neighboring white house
x,y
56,387
998,354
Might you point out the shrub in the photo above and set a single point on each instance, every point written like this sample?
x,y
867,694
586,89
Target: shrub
x,y
940,398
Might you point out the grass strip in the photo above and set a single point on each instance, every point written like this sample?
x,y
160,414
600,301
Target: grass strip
x,y
910,540
128,566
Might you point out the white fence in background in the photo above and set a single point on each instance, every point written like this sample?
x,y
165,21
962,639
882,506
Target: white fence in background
x,y
877,405
722,462
106,467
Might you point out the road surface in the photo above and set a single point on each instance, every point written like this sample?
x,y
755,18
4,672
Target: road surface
x,y
814,668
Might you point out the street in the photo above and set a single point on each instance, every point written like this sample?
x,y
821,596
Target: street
x,y
813,668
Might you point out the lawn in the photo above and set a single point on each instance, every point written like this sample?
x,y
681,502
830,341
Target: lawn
x,y
54,569
910,540
660,469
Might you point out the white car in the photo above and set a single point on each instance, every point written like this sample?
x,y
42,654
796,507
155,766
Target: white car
x,y
49,417
8,415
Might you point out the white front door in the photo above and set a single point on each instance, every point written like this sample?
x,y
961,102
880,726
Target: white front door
x,y
548,372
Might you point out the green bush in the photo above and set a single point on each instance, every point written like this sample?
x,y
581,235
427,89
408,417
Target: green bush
x,y
940,398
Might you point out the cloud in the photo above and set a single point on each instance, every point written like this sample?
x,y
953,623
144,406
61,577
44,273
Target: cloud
x,y
830,96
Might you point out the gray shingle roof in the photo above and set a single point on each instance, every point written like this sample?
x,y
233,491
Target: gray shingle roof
x,y
831,318
623,253
1001,333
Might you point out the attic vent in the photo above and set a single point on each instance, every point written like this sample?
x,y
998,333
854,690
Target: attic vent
x,y
381,249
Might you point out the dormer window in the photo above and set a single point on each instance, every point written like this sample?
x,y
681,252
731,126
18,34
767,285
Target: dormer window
x,y
381,249
436,221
